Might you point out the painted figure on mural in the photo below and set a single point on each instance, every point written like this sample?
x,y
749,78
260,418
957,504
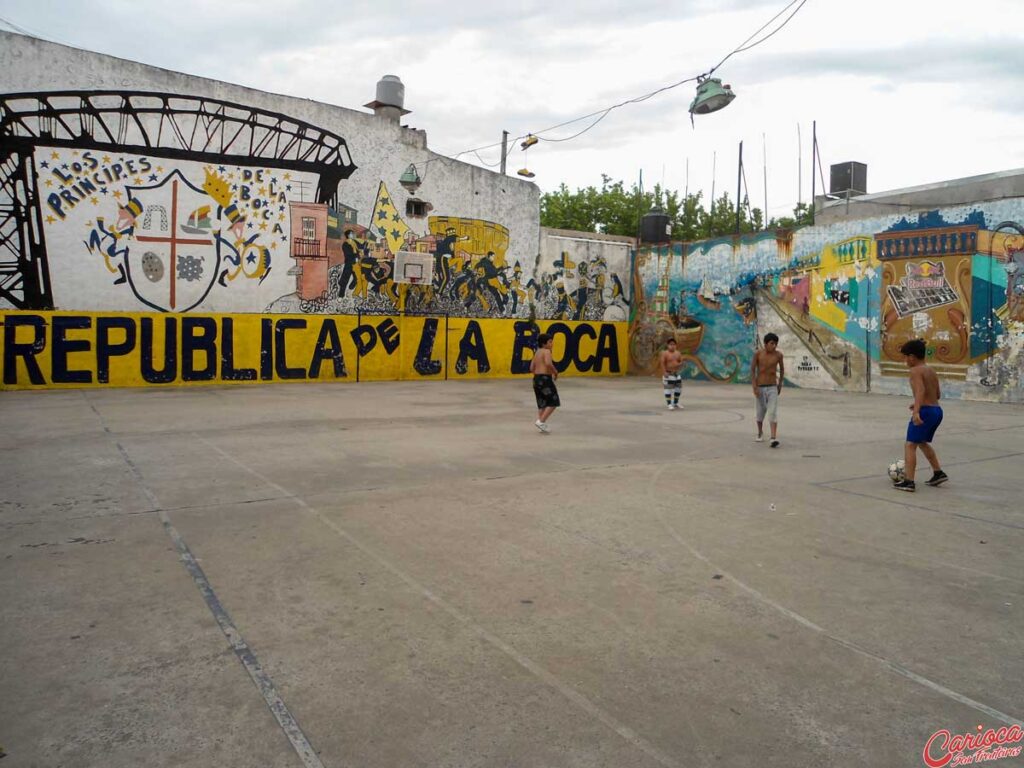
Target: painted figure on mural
x,y
767,372
443,251
347,279
926,416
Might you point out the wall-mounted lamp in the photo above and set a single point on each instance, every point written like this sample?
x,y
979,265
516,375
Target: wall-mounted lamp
x,y
410,179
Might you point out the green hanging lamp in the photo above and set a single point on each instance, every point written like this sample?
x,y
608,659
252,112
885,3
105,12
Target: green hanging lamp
x,y
711,96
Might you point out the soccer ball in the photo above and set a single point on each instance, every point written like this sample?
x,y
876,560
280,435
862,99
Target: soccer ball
x,y
898,471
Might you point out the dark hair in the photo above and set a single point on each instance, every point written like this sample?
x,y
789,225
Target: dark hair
x,y
543,339
771,337
915,348
671,340
348,232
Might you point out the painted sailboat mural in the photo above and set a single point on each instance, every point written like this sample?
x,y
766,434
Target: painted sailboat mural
x,y
706,294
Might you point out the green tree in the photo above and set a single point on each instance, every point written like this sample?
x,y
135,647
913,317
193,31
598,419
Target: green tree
x,y
615,210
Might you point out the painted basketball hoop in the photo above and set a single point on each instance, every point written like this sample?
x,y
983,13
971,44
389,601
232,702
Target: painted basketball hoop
x,y
414,268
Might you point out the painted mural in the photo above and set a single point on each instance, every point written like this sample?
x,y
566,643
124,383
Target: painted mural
x,y
844,298
141,201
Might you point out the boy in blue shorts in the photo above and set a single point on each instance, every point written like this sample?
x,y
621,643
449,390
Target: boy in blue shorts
x,y
926,415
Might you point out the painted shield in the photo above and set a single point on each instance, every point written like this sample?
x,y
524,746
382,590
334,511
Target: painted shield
x,y
174,257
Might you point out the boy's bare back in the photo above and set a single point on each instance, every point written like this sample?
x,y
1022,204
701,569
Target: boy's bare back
x,y
543,364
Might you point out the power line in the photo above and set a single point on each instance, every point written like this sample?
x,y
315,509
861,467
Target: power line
x,y
600,114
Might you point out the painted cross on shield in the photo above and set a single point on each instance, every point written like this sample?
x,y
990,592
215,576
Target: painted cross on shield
x,y
175,257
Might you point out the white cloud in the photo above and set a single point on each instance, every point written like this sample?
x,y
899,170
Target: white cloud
x,y
921,90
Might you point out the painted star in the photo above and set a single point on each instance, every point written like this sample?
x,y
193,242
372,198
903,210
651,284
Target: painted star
x,y
104,190
117,195
50,219
55,156
396,217
139,180
159,169
234,187
250,225
289,186
106,159
153,177
44,164
263,226
262,191
251,258
221,168
383,231
287,176
395,234
382,215
94,200
65,166
284,238
273,179
280,207
49,182
281,217
385,201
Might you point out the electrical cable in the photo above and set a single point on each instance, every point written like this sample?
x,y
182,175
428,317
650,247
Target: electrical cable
x,y
746,45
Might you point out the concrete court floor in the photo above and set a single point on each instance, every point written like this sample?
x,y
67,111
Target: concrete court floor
x,y
417,577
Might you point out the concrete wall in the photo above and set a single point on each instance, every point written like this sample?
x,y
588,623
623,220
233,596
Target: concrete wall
x,y
168,229
844,297
477,222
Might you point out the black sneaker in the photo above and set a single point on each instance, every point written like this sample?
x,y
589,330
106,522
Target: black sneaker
x,y
774,443
905,485
937,479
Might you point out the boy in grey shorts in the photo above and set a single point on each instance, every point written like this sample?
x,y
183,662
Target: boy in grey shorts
x,y
767,386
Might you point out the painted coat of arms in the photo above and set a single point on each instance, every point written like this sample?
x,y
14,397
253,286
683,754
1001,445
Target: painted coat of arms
x,y
173,241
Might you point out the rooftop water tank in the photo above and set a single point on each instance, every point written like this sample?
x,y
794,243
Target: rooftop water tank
x,y
390,101
655,227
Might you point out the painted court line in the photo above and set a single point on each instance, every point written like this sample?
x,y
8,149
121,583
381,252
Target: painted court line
x,y
526,663
241,648
892,666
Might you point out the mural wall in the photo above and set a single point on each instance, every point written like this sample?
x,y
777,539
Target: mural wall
x,y
843,298
124,188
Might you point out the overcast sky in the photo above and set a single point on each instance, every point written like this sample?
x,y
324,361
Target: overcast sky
x,y
920,90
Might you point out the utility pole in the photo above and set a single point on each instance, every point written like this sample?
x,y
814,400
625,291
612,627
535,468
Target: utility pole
x,y
739,188
814,167
504,150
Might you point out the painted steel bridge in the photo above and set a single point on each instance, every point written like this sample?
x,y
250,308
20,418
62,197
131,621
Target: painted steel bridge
x,y
160,125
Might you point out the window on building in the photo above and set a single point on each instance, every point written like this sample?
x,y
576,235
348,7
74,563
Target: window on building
x,y
308,228
416,208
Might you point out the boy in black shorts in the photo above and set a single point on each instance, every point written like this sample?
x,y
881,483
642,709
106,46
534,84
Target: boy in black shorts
x,y
544,374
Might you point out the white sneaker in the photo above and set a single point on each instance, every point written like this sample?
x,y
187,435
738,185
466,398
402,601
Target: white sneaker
x,y
669,406
759,439
542,426
678,406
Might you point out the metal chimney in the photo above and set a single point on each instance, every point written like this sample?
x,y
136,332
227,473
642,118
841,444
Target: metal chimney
x,y
390,101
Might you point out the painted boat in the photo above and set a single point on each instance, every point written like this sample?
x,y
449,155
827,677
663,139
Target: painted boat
x,y
706,295
198,221
688,335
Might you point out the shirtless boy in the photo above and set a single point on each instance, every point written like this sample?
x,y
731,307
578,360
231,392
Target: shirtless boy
x,y
767,386
544,374
926,415
671,378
